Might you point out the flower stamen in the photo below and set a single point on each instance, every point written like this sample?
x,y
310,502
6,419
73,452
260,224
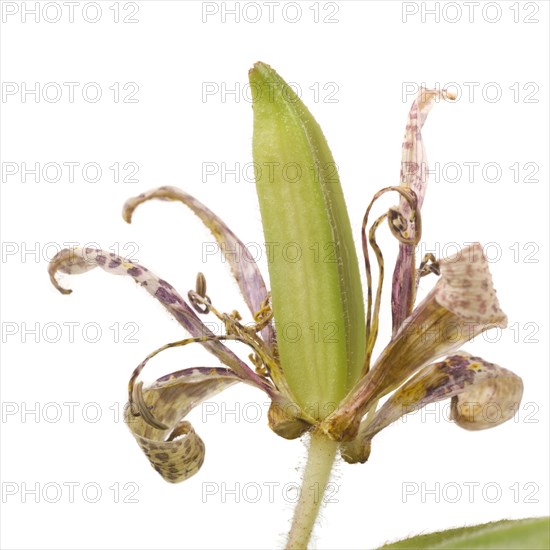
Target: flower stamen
x,y
266,362
200,306
428,265
264,315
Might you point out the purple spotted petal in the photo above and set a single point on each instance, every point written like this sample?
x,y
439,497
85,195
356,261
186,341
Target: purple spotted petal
x,y
462,304
177,452
243,265
483,395
80,260
414,175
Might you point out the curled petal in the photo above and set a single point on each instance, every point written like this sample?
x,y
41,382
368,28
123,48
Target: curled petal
x,y
414,167
475,410
80,260
243,265
483,395
414,176
462,304
175,452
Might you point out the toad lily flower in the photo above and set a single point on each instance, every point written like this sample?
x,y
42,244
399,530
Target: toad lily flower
x,y
309,338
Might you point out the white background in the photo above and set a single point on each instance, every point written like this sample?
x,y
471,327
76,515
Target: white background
x,y
367,55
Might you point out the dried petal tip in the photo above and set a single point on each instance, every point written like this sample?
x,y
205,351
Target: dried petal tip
x,y
489,403
69,260
466,287
449,95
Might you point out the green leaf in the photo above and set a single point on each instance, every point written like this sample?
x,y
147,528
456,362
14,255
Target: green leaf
x,y
523,534
315,282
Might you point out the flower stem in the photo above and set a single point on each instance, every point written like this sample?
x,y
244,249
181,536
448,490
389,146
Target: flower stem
x,y
321,455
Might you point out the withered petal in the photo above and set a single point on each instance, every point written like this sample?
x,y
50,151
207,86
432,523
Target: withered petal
x,y
483,395
462,304
81,260
414,176
176,452
242,264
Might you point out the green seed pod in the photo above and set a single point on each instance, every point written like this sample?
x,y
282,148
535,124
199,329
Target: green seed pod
x,y
315,282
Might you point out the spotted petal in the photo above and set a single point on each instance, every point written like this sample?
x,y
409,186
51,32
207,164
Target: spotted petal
x,y
414,176
242,263
81,260
176,452
483,395
462,305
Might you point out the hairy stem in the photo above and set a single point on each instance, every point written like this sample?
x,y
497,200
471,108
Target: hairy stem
x,y
321,455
